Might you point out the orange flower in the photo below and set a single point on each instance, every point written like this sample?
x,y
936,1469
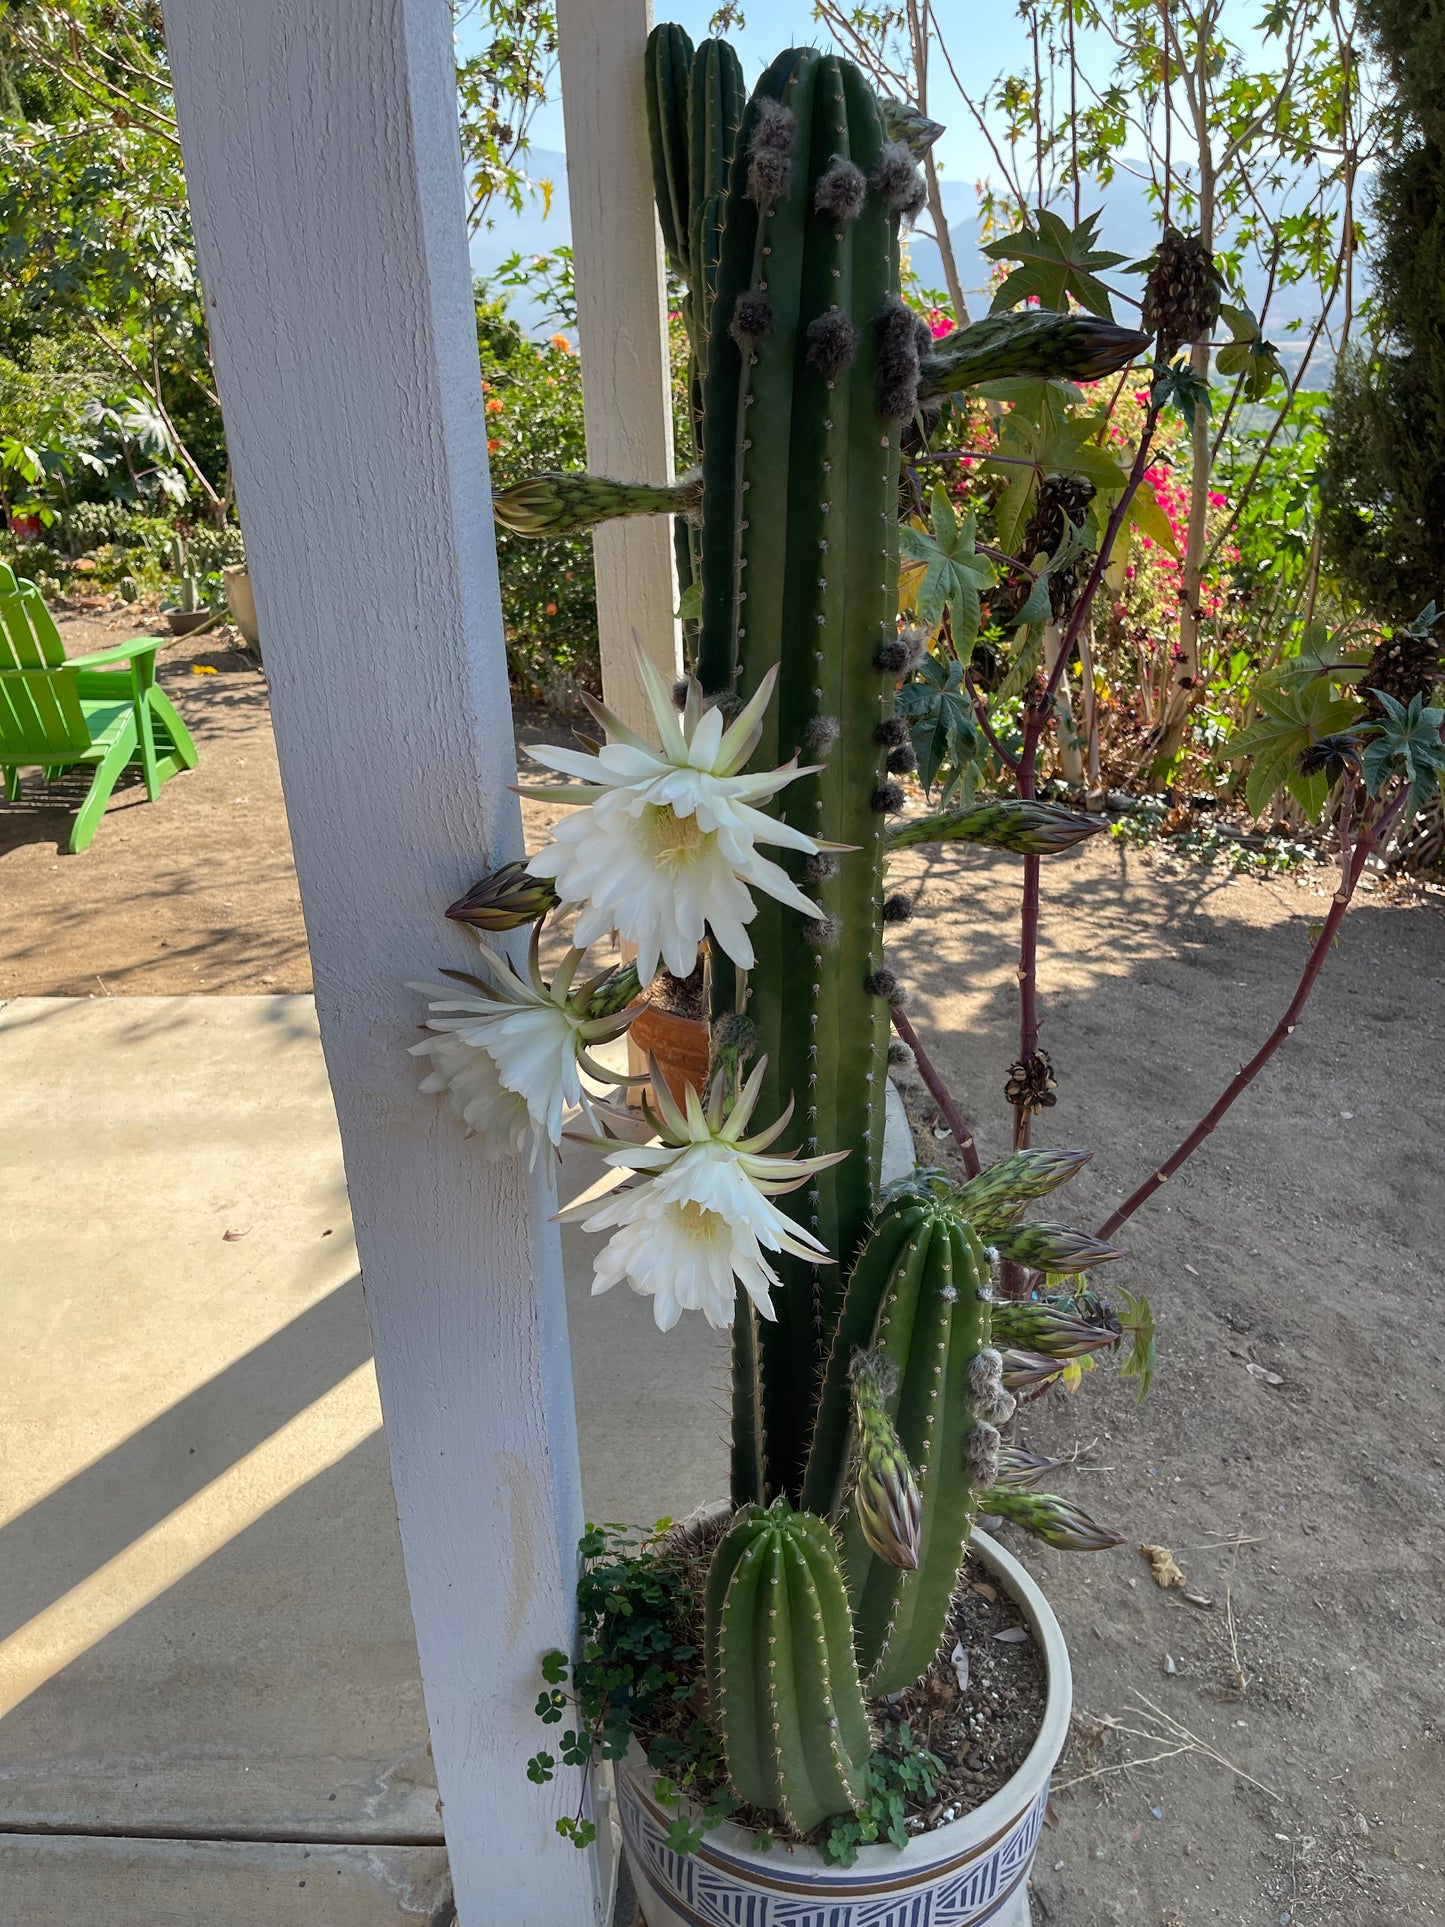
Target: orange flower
x,y
551,608
492,444
561,343
494,407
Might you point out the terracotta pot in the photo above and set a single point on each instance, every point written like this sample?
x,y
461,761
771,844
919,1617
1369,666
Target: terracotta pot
x,y
678,1043
185,622
972,1871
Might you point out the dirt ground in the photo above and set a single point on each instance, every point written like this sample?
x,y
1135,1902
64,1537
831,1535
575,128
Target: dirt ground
x,y
1274,1755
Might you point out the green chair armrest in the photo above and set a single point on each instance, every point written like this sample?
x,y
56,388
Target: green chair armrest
x,y
120,652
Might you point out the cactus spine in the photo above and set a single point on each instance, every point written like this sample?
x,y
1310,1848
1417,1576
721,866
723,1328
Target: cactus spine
x,y
782,1679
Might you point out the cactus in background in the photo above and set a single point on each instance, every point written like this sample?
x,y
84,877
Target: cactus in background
x,y
781,1676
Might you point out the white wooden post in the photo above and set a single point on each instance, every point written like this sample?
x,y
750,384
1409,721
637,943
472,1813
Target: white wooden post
x,y
325,178
622,326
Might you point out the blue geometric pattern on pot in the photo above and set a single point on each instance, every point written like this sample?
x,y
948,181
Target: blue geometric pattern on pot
x,y
712,1889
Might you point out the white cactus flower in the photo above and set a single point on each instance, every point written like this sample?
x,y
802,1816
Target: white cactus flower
x,y
510,1051
666,843
699,1222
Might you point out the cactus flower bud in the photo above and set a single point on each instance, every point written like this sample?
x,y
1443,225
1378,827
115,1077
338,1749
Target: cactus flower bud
x,y
999,1195
1025,827
1034,341
886,1494
1052,1247
1058,1522
505,900
1017,1466
1050,1330
556,503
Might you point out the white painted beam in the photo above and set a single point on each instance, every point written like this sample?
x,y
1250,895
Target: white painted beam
x,y
325,179
622,330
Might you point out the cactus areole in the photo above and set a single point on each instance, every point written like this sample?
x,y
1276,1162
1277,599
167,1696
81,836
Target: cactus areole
x,y
867,1388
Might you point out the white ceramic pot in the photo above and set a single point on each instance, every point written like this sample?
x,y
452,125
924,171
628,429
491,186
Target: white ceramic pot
x,y
961,1875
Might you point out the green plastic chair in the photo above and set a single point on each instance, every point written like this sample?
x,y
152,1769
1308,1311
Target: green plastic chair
x,y
57,711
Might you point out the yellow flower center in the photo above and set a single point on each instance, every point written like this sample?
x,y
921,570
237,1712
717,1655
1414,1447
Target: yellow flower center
x,y
677,840
698,1221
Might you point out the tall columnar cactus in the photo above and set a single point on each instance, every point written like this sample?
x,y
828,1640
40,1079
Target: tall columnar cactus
x,y
782,1680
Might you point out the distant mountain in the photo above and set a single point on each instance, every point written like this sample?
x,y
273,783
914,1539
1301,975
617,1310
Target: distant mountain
x,y
1130,227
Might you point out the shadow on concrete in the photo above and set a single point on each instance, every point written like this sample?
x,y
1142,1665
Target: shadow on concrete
x,y
103,1509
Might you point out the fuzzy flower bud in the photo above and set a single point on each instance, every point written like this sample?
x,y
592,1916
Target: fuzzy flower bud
x,y
1017,1466
980,1454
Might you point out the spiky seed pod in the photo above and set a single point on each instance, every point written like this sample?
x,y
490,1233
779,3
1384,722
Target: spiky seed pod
x,y
1000,1195
888,798
782,1680
1019,1467
1181,293
1031,1084
903,760
885,1495
1050,1330
832,343
841,191
1406,663
1027,828
897,908
1062,502
505,900
821,734
1028,341
898,181
1058,1522
895,348
560,504
892,731
752,319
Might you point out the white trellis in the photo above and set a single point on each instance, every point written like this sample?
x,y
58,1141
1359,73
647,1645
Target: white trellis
x,y
323,162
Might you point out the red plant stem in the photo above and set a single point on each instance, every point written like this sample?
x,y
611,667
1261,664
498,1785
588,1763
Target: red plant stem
x,y
1037,715
938,1091
980,710
1353,870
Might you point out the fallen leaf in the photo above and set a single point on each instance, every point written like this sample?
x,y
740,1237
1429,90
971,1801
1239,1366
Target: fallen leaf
x,y
230,1237
1051,1818
204,669
1169,1665
1262,1372
1192,1272
1166,1571
1199,1599
959,1661
1011,1635
984,1590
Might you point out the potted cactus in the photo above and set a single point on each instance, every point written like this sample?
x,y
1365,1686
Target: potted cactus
x,y
872,1348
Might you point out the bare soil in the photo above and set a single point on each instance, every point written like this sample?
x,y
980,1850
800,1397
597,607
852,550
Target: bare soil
x,y
1302,1780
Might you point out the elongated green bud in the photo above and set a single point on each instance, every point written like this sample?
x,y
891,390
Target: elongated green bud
x,y
1030,341
1058,1522
1027,1371
1022,1469
505,900
886,1494
560,504
1027,828
1000,1195
1052,1247
1049,1330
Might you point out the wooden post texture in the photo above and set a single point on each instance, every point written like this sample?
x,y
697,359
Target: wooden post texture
x,y
622,330
326,188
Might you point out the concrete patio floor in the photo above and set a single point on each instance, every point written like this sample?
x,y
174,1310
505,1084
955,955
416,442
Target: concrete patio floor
x,y
209,1701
